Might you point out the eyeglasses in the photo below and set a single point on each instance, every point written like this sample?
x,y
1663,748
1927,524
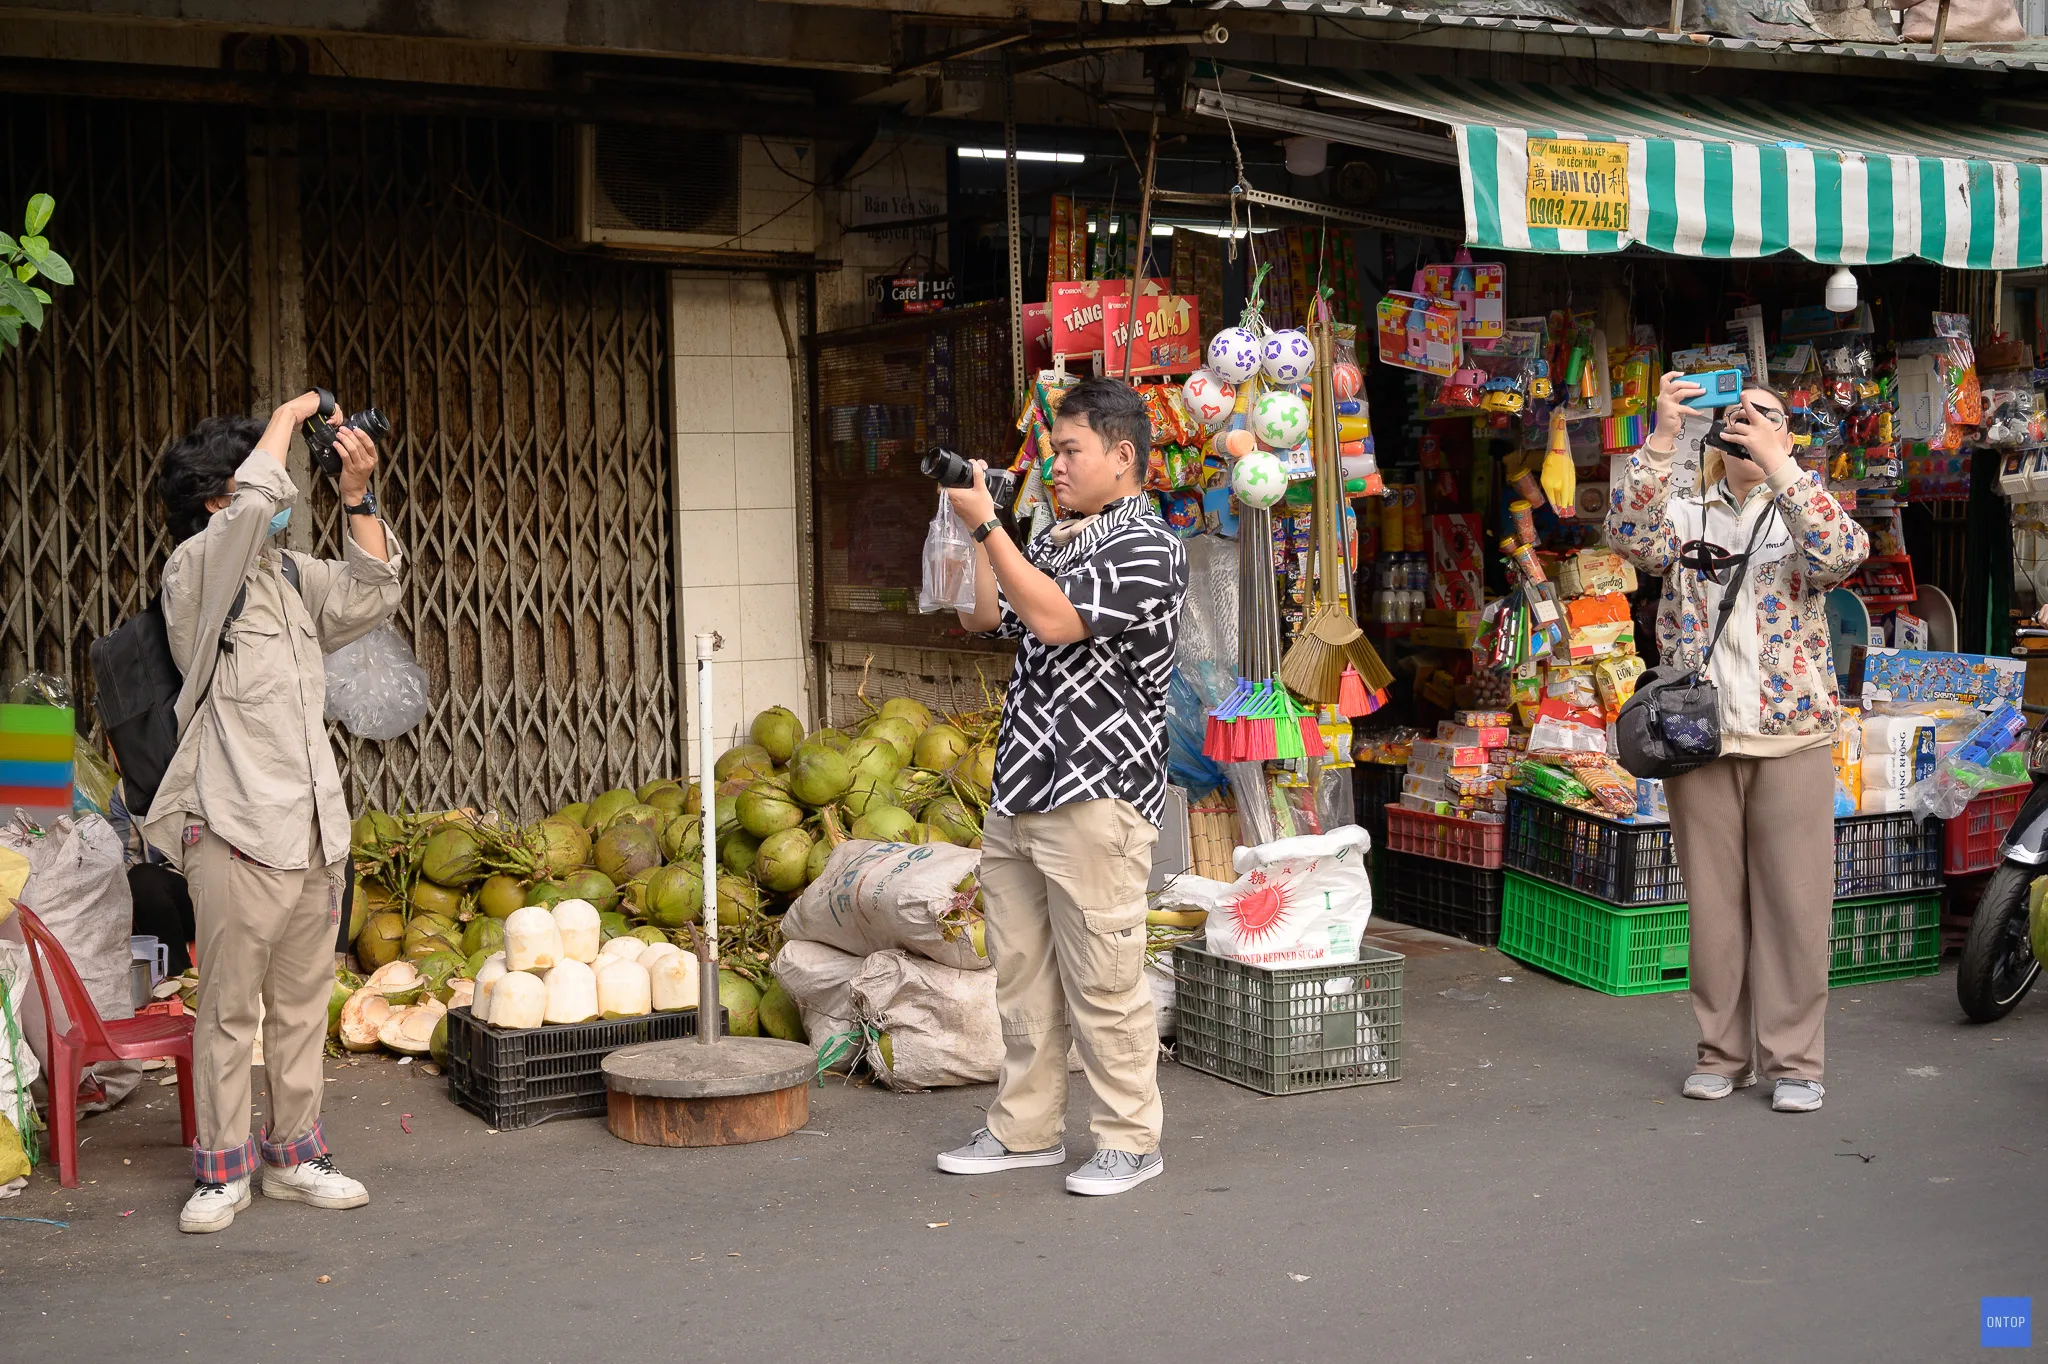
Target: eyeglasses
x,y
1709,560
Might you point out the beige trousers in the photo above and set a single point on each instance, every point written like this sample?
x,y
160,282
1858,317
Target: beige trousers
x,y
1756,840
1065,899
266,933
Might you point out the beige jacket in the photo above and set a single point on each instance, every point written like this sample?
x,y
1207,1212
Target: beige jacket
x,y
253,762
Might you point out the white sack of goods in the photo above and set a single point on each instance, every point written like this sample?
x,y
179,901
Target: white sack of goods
x,y
1296,901
932,1025
572,992
623,989
917,897
673,980
410,1031
582,932
532,941
819,980
1160,980
518,1000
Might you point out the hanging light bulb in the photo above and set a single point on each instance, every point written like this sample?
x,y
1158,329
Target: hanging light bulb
x,y
1306,155
1841,291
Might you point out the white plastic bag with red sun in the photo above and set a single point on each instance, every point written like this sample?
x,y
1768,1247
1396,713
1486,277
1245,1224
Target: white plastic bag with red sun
x,y
1296,902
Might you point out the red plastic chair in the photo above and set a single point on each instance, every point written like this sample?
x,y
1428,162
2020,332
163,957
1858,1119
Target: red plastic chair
x,y
91,1038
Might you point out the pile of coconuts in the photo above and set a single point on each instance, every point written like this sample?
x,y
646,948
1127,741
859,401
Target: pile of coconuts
x,y
434,890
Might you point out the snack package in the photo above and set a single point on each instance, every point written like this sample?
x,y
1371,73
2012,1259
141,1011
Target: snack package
x,y
1613,787
1548,782
1616,680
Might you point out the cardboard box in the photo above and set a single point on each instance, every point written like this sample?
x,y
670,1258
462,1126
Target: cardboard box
x,y
1915,675
1594,572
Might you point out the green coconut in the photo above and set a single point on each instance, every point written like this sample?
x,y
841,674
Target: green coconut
x,y
501,896
742,758
819,775
905,708
648,934
838,740
886,824
436,970
427,898
651,787
591,885
923,833
483,935
950,818
815,860
432,925
898,733
742,1002
611,924
547,894
764,810
780,863
610,803
452,857
877,758
736,851
369,898
779,1016
337,998
418,948
976,770
726,812
866,793
939,747
373,829
737,898
561,846
577,813
778,730
673,896
475,963
437,1045
625,851
682,838
647,816
671,800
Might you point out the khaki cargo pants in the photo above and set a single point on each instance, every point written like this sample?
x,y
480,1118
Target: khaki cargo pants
x,y
1065,899
269,933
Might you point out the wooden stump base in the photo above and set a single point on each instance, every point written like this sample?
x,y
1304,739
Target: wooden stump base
x,y
684,1093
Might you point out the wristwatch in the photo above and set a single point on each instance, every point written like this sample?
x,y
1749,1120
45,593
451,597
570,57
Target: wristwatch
x,y
366,507
986,529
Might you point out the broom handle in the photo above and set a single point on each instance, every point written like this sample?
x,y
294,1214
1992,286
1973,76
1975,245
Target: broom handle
x,y
1326,528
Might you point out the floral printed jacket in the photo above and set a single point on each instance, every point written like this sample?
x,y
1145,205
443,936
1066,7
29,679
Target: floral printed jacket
x,y
1773,666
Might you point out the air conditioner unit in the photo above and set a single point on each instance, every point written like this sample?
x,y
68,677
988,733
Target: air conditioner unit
x,y
680,188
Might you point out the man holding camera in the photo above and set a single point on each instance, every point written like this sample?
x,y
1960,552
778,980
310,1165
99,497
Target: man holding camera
x,y
251,807
1079,787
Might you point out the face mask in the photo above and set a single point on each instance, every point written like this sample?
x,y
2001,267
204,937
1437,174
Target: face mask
x,y
280,521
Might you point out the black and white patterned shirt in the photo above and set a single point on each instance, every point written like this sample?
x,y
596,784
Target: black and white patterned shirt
x,y
1087,721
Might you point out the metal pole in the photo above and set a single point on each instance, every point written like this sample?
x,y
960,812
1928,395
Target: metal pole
x,y
707,989
1144,240
1018,380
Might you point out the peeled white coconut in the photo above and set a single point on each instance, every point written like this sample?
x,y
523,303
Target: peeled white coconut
x,y
480,1002
620,949
410,1031
461,992
493,967
582,933
362,1016
518,1000
655,951
398,981
572,992
623,989
532,941
673,981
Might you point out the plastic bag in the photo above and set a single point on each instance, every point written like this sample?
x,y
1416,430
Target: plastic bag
x,y
948,563
1297,901
375,688
1965,772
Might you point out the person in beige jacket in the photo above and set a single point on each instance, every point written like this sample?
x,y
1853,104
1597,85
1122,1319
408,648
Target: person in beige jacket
x,y
251,807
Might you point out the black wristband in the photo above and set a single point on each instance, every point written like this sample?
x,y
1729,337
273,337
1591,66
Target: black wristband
x,y
986,529
366,507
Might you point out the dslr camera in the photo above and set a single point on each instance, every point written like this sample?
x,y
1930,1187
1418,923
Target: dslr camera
x,y
320,433
1723,391
949,470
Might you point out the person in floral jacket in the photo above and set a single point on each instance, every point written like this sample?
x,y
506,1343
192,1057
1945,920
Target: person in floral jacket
x,y
1751,828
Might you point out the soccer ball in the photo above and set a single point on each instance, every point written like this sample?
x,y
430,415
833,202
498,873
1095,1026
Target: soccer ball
x,y
1286,357
1280,420
1260,479
1210,397
1234,354
1345,380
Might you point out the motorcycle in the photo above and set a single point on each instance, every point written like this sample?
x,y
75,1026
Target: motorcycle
x,y
1998,965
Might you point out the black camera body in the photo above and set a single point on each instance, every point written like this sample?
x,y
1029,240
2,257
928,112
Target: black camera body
x,y
949,470
320,433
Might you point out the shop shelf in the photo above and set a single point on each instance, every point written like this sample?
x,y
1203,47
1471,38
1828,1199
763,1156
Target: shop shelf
x,y
1291,1030
1970,840
1443,837
1443,897
517,1077
1375,786
1886,855
1885,937
1616,949
1624,864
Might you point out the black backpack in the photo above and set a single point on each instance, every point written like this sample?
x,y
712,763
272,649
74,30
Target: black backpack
x,y
136,684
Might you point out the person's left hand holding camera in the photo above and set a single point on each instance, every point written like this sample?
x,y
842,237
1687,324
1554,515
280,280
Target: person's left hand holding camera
x,y
358,461
972,504
1760,433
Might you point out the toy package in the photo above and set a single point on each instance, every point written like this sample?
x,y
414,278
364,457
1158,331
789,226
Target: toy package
x,y
1877,675
1478,292
1419,333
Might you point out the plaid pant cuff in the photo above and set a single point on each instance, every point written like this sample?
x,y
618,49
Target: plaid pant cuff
x,y
220,1167
283,1153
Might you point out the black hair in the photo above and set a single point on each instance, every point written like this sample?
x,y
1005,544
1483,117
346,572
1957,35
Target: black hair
x,y
1766,388
197,467
1114,411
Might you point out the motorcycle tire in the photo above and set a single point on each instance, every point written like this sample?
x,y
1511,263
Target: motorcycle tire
x,y
1998,966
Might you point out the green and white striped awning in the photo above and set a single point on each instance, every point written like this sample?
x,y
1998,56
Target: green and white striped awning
x,y
1721,177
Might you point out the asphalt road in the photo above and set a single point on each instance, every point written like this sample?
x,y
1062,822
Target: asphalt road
x,y
1533,1189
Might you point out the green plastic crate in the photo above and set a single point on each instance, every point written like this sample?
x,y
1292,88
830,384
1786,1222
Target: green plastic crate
x,y
1293,1029
1885,937
1617,949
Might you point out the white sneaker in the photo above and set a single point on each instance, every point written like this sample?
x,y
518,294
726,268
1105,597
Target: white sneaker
x,y
212,1207
1797,1096
314,1181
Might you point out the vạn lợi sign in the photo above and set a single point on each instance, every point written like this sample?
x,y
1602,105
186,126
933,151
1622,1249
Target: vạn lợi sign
x,y
1578,184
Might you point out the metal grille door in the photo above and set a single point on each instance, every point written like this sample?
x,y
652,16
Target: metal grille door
x,y
151,338
529,477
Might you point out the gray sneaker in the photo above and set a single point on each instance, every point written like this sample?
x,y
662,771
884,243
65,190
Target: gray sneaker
x,y
984,1155
1797,1096
1703,1085
1111,1172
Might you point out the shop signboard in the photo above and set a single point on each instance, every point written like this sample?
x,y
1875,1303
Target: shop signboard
x,y
1578,184
1165,339
1076,308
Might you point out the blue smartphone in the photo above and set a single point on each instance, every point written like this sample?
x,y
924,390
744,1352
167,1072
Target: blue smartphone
x,y
1723,389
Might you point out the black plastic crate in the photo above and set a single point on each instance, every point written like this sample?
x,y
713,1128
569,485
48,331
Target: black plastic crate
x,y
1375,786
1623,864
517,1077
1443,897
1886,854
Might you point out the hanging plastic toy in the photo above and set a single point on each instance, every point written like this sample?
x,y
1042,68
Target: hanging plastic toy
x,y
1560,480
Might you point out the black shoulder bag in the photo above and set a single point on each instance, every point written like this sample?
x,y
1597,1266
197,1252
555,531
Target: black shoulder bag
x,y
1672,724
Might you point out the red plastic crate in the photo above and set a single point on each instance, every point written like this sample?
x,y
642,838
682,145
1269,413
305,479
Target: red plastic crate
x,y
1970,840
1445,838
